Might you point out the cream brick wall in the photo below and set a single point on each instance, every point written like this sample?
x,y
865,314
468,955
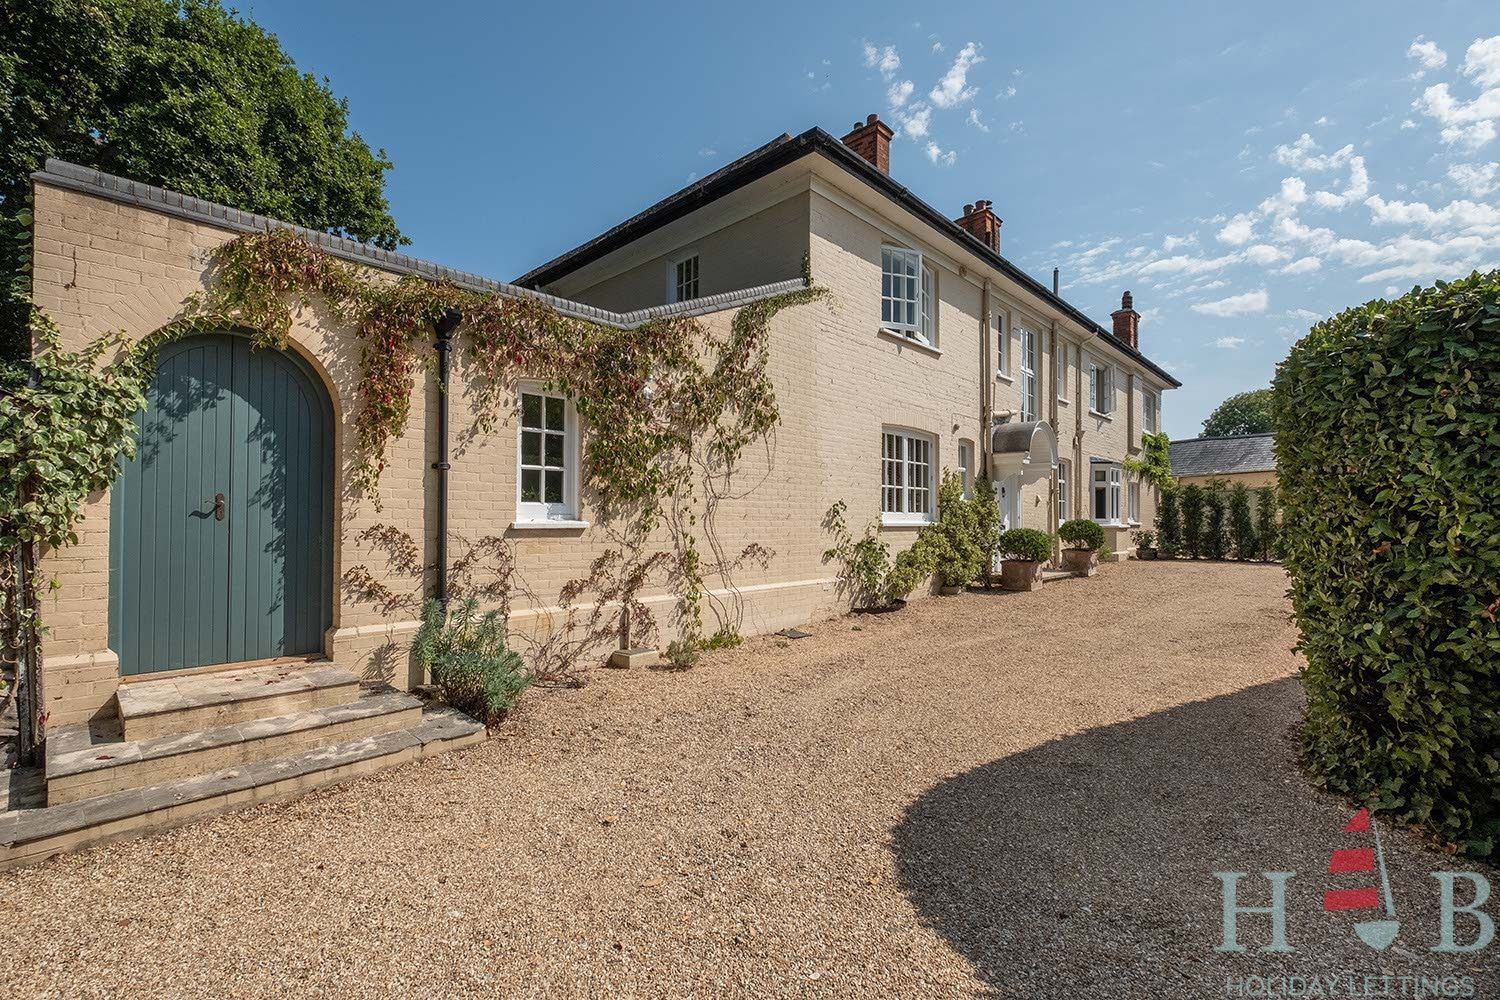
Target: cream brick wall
x,y
103,266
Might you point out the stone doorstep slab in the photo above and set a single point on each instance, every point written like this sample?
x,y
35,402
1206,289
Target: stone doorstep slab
x,y
183,704
79,765
32,834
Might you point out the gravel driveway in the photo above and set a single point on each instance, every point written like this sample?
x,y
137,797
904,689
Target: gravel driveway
x,y
990,794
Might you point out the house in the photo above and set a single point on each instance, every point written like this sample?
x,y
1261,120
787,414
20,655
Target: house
x,y
1242,458
216,611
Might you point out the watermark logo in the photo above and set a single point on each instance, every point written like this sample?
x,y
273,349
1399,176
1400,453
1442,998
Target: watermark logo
x,y
1365,865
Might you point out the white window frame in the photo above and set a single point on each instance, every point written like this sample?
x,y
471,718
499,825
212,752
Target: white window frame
x,y
1101,388
966,466
1062,490
542,511
908,295
1031,402
681,287
1002,340
1150,410
905,456
1105,476
1064,349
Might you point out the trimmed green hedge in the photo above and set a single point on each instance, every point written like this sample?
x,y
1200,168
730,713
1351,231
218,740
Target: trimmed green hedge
x,y
1084,534
1388,456
1026,544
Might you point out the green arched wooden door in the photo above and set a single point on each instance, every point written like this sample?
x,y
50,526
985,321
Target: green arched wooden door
x,y
221,533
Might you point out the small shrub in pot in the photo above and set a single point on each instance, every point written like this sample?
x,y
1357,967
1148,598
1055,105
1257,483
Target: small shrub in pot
x,y
1086,538
1145,544
1024,551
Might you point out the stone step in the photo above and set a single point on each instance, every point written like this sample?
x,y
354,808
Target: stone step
x,y
1048,575
195,702
29,835
86,760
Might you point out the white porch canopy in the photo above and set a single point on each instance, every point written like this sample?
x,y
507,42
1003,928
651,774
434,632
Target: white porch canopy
x,y
1027,450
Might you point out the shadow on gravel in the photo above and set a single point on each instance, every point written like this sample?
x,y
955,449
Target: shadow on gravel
x,y
1085,867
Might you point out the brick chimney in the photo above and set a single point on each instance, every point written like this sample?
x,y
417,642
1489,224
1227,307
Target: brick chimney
x,y
872,140
1127,322
979,222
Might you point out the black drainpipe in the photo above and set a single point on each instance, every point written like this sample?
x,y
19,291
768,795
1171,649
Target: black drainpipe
x,y
446,324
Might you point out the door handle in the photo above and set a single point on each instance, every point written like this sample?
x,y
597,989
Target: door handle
x,y
218,506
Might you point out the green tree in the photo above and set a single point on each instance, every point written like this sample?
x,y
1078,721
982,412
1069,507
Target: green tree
x,y
1241,522
1265,520
1215,538
1192,519
1169,523
1242,413
181,94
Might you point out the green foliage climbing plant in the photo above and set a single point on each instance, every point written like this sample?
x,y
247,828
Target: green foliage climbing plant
x,y
1154,465
1387,420
670,406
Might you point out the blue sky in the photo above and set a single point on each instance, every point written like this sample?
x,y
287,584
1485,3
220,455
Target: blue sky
x,y
1242,170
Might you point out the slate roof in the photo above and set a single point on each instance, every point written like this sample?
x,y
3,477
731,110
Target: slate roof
x,y
777,153
1223,456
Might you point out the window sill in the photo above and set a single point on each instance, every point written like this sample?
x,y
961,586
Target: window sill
x,y
548,525
906,341
1002,377
904,521
1063,401
1102,416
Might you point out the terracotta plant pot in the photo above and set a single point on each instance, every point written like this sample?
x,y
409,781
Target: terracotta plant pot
x,y
1021,574
1080,562
1144,553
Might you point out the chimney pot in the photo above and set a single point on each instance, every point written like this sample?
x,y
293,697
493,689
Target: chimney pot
x,y
980,222
1127,322
872,140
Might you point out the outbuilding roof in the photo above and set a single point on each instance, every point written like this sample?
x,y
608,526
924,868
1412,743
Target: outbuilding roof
x,y
1223,456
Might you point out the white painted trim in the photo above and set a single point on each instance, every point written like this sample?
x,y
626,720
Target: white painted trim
x,y
898,337
568,509
558,524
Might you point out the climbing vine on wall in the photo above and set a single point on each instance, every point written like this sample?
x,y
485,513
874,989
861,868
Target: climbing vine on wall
x,y
670,406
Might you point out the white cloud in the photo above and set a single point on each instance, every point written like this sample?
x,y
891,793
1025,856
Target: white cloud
x,y
1407,123
1238,231
954,87
1303,155
1265,255
937,46
1470,137
1456,214
1359,186
1438,102
1478,179
707,151
1306,315
1427,54
898,93
915,121
976,121
884,59
1482,61
1228,343
1293,193
1007,93
1182,264
937,155
1235,305
1176,242
1303,265
1323,120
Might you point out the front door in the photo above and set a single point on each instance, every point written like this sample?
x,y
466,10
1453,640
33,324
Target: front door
x,y
221,539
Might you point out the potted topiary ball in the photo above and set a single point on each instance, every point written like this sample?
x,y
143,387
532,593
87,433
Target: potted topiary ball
x,y
1024,551
1085,539
1145,544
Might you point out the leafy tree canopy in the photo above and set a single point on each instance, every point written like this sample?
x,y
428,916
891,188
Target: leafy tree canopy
x,y
1242,413
179,93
